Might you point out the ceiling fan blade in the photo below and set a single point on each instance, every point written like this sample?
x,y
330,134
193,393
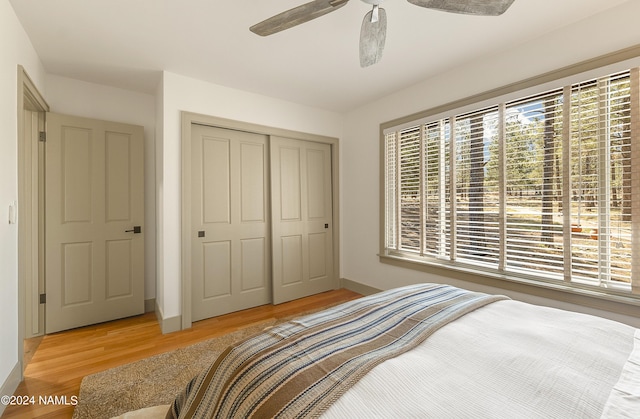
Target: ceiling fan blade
x,y
296,16
470,7
372,37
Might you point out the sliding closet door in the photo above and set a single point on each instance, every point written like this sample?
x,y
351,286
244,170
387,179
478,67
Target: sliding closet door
x,y
230,214
302,229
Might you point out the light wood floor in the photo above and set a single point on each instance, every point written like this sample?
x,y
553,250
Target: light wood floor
x,y
61,360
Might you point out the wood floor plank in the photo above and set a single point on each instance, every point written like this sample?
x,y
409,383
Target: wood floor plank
x,y
61,360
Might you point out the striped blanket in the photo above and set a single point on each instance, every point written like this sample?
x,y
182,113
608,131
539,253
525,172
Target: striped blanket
x,y
299,368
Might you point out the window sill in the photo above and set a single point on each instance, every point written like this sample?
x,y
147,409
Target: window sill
x,y
583,295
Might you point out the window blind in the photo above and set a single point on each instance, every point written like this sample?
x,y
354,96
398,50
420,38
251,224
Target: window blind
x,y
533,141
391,191
477,188
410,170
436,189
542,186
601,180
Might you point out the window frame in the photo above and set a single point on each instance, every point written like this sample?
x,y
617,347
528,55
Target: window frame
x,y
560,79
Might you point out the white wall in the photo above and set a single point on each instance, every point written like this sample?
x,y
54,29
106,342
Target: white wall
x,y
74,97
186,94
599,35
15,49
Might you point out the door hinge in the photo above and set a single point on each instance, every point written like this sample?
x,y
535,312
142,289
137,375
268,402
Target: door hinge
x,y
42,136
43,298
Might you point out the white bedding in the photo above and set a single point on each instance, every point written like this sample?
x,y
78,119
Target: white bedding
x,y
506,360
624,400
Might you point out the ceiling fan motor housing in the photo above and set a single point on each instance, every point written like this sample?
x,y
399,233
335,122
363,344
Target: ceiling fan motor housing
x,y
374,2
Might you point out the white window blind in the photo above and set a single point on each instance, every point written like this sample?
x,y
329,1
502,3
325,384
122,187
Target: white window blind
x,y
410,171
477,191
391,191
436,189
601,180
533,140
540,187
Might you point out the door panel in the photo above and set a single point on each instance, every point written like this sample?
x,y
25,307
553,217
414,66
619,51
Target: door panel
x,y
252,182
254,263
217,269
119,180
94,193
291,263
77,274
317,181
119,268
317,255
216,187
302,226
289,184
230,245
76,170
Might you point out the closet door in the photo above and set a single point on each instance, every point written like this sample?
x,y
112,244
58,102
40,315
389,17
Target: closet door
x,y
230,221
302,229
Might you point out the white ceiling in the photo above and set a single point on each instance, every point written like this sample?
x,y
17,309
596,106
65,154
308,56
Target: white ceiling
x,y
127,43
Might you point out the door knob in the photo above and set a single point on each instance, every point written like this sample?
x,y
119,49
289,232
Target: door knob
x,y
136,230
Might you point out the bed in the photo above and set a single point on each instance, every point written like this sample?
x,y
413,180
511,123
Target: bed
x,y
424,351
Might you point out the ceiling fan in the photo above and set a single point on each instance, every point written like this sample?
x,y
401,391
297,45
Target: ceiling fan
x,y
374,25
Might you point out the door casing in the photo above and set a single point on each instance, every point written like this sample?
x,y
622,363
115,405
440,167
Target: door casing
x,y
30,257
189,118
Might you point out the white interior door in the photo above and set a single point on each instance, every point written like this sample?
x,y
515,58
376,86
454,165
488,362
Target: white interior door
x,y
94,209
302,218
230,244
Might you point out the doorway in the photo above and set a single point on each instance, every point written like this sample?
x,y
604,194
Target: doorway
x,y
33,308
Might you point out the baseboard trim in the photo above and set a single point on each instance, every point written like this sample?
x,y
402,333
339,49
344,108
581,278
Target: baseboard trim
x,y
168,325
358,287
10,384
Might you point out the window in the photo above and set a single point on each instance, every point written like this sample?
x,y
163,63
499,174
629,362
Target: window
x,y
539,187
